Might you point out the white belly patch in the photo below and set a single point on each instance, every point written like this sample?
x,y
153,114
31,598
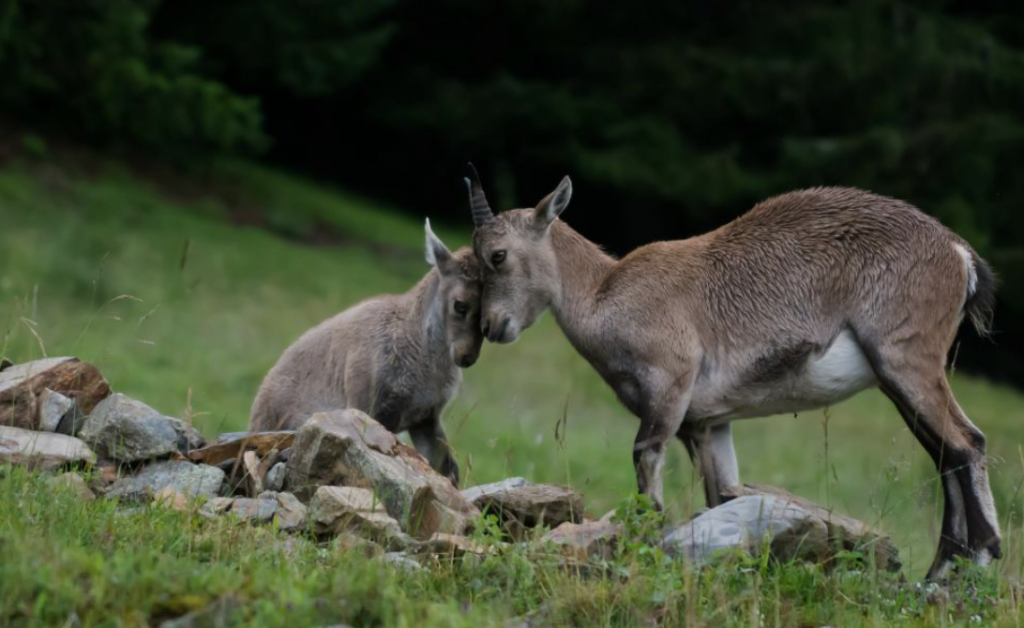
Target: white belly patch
x,y
842,371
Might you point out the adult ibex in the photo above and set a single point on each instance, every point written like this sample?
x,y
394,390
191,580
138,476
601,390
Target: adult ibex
x,y
395,357
803,301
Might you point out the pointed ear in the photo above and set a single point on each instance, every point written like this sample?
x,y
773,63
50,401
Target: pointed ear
x,y
437,254
553,204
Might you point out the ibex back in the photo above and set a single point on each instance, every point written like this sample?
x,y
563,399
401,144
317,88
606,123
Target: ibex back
x,y
805,300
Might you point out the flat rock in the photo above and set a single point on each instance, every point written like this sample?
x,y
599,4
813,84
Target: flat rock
x,y
843,531
235,444
530,505
587,540
345,509
348,448
22,385
744,523
190,479
43,451
474,493
125,429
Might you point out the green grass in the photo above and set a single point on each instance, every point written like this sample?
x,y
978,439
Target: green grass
x,y
185,310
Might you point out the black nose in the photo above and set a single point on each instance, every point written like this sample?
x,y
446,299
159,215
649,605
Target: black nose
x,y
487,329
467,361
499,333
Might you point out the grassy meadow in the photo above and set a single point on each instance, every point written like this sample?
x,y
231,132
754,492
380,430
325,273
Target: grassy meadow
x,y
184,296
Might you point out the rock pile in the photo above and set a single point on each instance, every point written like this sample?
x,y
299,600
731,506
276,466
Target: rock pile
x,y
343,475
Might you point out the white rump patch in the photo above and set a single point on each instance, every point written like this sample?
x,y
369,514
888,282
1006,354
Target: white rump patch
x,y
972,272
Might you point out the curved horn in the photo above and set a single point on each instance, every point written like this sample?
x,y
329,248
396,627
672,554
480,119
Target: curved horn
x,y
482,213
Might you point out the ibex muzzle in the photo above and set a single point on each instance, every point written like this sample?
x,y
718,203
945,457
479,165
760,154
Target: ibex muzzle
x,y
803,301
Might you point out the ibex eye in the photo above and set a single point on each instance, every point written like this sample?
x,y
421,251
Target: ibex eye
x,y
497,257
461,308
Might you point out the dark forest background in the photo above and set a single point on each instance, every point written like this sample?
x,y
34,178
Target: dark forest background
x,y
671,117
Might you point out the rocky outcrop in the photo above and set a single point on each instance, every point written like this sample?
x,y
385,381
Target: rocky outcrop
x,y
348,448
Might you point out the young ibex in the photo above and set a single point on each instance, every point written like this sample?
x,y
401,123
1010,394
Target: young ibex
x,y
395,357
805,300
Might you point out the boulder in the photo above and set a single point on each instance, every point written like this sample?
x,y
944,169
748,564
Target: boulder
x,y
745,523
520,504
191,479
125,429
234,445
22,385
43,451
348,448
344,509
77,484
844,532
587,540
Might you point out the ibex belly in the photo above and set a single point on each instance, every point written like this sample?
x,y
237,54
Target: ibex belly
x,y
816,381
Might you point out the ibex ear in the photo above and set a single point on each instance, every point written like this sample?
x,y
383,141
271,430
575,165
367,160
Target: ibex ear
x,y
552,205
437,253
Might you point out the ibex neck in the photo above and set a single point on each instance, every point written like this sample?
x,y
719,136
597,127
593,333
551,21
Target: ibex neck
x,y
582,267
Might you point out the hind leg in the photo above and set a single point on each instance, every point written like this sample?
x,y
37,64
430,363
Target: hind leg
x,y
916,383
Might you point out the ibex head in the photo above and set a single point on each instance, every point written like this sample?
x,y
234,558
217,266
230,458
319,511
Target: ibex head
x,y
517,260
459,296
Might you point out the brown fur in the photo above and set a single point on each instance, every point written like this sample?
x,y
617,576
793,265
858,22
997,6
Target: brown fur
x,y
800,302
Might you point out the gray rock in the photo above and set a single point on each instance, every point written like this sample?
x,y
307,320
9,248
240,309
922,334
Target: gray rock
x,y
125,429
254,509
53,406
43,451
341,509
275,477
745,523
193,480
348,448
843,532
474,493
